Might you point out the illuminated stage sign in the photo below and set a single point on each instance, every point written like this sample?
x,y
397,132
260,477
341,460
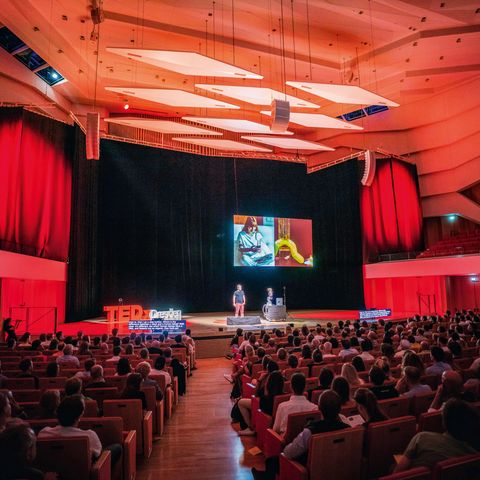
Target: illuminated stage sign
x,y
159,326
372,314
125,313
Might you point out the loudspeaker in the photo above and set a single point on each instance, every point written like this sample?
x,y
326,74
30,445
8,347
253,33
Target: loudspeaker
x,y
252,320
280,116
93,136
370,166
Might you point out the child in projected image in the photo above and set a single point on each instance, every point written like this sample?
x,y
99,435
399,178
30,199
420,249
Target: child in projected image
x,y
252,246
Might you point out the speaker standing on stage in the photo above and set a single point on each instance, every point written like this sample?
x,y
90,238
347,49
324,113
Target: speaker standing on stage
x,y
239,301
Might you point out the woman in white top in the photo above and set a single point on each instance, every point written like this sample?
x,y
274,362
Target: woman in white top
x,y
252,246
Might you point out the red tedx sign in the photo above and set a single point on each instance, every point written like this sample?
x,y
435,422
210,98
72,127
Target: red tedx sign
x,y
126,312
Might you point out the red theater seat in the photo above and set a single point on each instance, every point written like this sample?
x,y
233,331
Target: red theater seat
x,y
134,419
264,421
54,383
101,394
458,468
395,407
70,459
431,422
156,407
384,440
420,473
331,456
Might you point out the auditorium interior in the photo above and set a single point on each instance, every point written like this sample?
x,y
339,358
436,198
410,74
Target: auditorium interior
x,y
239,239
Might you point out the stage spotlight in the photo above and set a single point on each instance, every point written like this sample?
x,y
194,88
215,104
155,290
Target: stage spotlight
x,y
452,218
474,278
54,75
126,106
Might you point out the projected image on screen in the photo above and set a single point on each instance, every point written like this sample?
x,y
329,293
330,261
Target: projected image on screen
x,y
272,242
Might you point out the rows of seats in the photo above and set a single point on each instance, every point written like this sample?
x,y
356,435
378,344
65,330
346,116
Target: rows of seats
x,y
462,244
116,420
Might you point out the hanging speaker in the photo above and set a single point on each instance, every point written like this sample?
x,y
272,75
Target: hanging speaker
x,y
93,136
370,165
280,116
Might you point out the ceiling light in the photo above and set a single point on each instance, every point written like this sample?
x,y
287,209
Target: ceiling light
x,y
125,107
222,144
233,125
255,95
290,143
186,63
162,126
317,120
174,98
343,93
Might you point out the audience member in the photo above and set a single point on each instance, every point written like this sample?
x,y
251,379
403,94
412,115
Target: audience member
x,y
133,389
379,389
68,358
439,365
368,407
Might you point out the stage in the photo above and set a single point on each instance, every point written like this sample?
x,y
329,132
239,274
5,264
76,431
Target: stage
x,y
214,324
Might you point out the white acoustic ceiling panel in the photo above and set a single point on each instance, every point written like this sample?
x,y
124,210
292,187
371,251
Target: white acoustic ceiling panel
x,y
174,98
162,126
343,93
255,95
290,143
234,125
222,144
186,63
318,120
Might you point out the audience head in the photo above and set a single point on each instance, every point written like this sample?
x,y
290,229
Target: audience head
x,y
49,402
377,376
144,354
327,347
70,411
144,369
17,446
272,367
160,363
462,422
342,388
73,386
368,407
275,384
134,382
52,369
413,375
350,374
330,405
358,364
306,352
325,378
292,361
26,365
129,349
123,366
96,373
452,384
367,345
117,351
68,349
298,383
317,356
89,363
282,354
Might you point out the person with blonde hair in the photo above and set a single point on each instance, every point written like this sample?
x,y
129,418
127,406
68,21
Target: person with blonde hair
x,y
350,374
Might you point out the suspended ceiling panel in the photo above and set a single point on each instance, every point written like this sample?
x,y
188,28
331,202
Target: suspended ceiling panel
x,y
255,95
187,63
318,120
290,143
222,144
351,94
162,126
234,125
175,98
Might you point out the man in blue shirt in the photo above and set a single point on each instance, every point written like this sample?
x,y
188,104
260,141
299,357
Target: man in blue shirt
x,y
239,300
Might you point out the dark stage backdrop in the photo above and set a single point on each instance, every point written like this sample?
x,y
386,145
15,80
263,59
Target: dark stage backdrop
x,y
165,231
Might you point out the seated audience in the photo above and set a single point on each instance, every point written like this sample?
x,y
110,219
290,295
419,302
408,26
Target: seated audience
x,y
117,350
26,370
48,405
297,403
358,363
17,453
53,369
133,389
409,385
144,369
97,380
381,391
68,358
350,374
159,369
347,350
451,387
461,437
342,388
85,375
123,367
366,347
368,407
439,365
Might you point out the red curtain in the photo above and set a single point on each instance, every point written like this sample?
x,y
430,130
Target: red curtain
x,y
391,212
35,184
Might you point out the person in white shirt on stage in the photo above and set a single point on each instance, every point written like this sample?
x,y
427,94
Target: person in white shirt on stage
x,y
252,246
298,403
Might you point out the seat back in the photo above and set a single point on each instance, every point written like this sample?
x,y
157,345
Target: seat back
x,y
421,403
24,395
459,468
334,446
395,407
69,457
108,429
419,473
48,383
118,382
289,372
132,414
101,394
296,422
431,422
278,400
161,380
19,384
385,439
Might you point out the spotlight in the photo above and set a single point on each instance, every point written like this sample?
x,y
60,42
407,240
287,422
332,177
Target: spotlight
x,y
474,278
126,106
452,218
54,75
